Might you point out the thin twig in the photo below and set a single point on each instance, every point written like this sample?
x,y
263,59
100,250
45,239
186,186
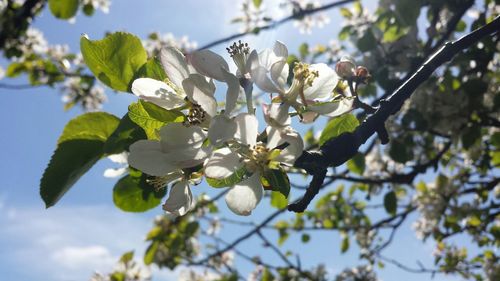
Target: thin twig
x,y
276,23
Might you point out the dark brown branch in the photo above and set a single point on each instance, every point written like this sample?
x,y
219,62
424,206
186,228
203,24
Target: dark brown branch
x,y
337,151
276,23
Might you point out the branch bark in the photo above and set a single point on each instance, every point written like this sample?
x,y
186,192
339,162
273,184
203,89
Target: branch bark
x,y
276,23
337,151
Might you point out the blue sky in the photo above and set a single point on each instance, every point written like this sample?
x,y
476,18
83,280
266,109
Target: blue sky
x,y
84,231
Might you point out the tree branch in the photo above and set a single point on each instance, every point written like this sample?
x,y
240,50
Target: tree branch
x,y
276,23
337,151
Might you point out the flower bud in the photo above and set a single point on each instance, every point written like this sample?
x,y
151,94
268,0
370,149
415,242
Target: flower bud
x,y
345,68
362,74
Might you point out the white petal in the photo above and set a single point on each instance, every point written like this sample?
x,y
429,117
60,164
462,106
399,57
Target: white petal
x,y
279,73
323,85
175,136
276,137
253,61
148,157
276,114
209,64
222,128
189,157
175,65
247,128
113,173
280,50
222,164
180,199
266,58
233,91
157,92
334,108
201,92
260,78
244,196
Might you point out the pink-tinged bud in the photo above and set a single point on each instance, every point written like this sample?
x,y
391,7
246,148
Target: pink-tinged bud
x,y
362,74
345,68
362,71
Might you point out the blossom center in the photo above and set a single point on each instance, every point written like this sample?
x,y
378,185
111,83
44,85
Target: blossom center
x,y
304,74
258,157
195,116
239,53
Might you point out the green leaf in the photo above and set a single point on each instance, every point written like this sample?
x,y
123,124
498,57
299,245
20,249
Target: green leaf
x,y
393,33
346,13
63,9
345,244
151,117
303,50
152,69
15,69
115,59
90,126
345,32
367,42
461,26
88,9
125,134
278,200
79,148
357,164
390,202
239,175
257,3
127,257
276,180
400,152
150,254
133,194
305,238
337,126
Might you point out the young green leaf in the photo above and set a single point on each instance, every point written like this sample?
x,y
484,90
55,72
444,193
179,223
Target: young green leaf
x,y
152,69
390,202
78,149
357,164
63,9
151,117
114,60
133,194
276,180
239,175
125,134
278,200
338,126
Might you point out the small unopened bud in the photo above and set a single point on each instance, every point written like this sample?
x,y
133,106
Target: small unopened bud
x,y
362,74
345,68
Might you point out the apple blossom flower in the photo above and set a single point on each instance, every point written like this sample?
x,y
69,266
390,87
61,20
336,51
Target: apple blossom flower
x,y
184,87
179,147
311,90
245,152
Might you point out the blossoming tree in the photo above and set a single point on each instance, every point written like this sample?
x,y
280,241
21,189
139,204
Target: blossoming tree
x,y
412,132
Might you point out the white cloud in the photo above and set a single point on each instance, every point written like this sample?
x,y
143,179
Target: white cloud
x,y
68,243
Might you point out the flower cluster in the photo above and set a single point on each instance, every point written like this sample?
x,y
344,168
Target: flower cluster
x,y
432,200
102,5
226,145
157,41
306,23
364,272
